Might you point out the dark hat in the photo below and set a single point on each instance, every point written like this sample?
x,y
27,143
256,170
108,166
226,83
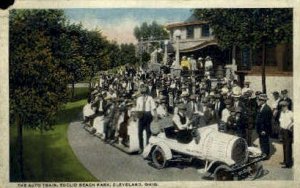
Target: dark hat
x,y
217,96
232,109
238,109
258,92
228,101
247,82
276,93
210,105
263,97
284,91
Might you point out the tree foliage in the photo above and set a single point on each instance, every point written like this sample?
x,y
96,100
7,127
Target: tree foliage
x,y
150,31
37,80
249,27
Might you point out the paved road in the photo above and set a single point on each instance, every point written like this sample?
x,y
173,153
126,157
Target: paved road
x,y
108,163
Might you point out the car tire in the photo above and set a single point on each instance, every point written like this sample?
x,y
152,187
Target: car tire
x,y
222,173
256,170
158,158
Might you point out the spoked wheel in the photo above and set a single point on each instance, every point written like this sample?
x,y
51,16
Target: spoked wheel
x,y
159,158
255,171
222,173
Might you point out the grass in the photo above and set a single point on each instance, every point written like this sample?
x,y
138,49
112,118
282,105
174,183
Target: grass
x,y
48,156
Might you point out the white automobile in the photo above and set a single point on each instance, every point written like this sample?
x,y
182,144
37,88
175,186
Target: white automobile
x,y
227,157
132,145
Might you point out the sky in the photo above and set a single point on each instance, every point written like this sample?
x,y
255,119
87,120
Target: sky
x,y
118,24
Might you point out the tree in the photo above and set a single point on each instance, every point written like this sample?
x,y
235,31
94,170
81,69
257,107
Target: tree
x,y
74,39
128,54
253,28
38,83
151,31
93,52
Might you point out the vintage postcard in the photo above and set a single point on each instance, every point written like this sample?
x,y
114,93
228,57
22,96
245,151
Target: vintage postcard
x,y
149,94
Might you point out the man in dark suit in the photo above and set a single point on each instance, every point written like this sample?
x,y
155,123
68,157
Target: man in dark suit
x,y
218,106
264,124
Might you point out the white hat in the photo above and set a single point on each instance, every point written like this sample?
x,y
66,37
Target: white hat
x,y
207,57
200,58
236,91
224,90
184,94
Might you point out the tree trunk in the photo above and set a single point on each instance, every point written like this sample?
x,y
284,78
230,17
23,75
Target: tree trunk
x,y
73,90
20,148
263,73
43,155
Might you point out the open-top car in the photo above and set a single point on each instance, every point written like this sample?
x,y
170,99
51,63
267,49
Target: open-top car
x,y
226,156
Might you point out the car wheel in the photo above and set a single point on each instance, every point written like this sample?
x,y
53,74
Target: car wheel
x,y
222,173
159,158
255,171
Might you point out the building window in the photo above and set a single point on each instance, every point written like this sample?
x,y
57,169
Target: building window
x,y
190,32
270,57
205,30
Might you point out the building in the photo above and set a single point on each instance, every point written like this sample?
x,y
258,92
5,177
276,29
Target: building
x,y
196,37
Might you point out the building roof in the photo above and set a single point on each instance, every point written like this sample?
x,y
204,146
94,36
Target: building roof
x,y
192,20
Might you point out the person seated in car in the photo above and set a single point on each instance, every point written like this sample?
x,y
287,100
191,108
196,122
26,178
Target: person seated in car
x,y
181,129
161,108
88,112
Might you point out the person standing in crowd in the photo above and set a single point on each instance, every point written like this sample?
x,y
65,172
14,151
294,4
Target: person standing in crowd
x,y
276,114
246,87
208,65
200,63
109,118
218,106
251,106
185,64
161,108
145,106
285,97
193,64
226,111
286,124
264,124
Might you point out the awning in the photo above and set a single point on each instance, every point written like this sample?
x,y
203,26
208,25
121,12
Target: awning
x,y
199,46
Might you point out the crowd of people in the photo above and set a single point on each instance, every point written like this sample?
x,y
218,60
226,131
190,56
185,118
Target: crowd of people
x,y
149,96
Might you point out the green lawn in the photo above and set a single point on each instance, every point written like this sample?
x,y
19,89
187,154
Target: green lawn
x,y
49,157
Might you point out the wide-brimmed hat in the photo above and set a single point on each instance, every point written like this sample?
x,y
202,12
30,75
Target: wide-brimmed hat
x,y
283,103
263,97
193,97
224,90
108,98
184,94
236,91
